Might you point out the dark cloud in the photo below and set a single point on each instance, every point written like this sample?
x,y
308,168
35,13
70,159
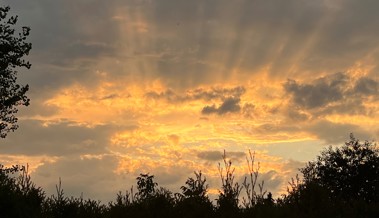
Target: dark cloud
x,y
191,43
198,94
319,93
297,115
218,155
338,93
327,35
68,40
367,86
59,139
230,105
92,177
351,106
272,181
337,133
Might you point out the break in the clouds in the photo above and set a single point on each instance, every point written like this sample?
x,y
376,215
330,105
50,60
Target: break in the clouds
x,y
123,87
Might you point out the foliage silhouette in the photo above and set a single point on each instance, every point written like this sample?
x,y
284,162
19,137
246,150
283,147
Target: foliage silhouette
x,y
253,197
60,206
342,182
19,197
308,197
228,198
12,50
349,173
146,186
194,201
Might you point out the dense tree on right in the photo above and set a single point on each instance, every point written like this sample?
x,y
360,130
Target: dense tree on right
x,y
348,173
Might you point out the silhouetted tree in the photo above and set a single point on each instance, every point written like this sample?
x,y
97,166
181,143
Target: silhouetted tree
x,y
349,173
12,49
19,197
195,188
253,197
146,186
194,201
149,201
60,206
306,200
228,198
342,182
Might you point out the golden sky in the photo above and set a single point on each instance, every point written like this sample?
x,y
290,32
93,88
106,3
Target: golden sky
x,y
123,87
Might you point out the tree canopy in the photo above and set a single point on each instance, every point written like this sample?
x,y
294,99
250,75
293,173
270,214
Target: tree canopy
x,y
349,172
13,47
320,194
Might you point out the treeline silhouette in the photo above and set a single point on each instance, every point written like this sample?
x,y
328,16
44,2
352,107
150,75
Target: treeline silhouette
x,y
341,182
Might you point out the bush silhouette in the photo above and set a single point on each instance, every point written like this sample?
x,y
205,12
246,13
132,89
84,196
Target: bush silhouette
x,y
194,201
19,197
228,199
321,193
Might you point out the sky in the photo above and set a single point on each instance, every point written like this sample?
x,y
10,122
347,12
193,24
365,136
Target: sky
x,y
123,87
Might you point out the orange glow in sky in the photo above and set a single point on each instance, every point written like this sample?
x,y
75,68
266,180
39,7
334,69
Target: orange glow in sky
x,y
120,88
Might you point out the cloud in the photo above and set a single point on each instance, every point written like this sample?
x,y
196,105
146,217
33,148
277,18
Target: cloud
x,y
230,98
319,93
94,177
337,93
218,155
213,93
57,139
273,181
222,55
367,87
230,105
337,133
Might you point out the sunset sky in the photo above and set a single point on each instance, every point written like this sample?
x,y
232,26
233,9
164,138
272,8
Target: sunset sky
x,y
122,87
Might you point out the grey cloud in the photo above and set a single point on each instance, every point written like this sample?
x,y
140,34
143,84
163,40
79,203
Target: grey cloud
x,y
336,133
210,155
171,176
327,36
70,38
272,181
332,94
230,105
194,35
351,105
318,94
367,86
217,155
92,177
214,93
297,115
60,139
111,96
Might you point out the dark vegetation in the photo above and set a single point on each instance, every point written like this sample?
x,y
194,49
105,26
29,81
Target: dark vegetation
x,y
13,47
341,182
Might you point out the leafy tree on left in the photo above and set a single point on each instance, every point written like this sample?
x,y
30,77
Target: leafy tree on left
x,y
13,47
